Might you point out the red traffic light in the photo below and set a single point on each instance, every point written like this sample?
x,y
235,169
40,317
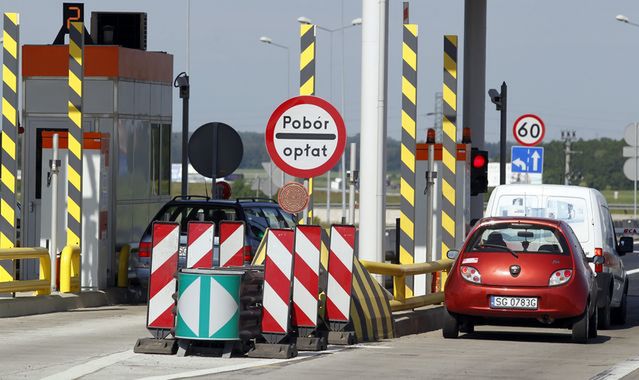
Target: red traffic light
x,y
479,161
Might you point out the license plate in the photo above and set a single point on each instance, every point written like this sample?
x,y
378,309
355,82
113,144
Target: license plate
x,y
498,302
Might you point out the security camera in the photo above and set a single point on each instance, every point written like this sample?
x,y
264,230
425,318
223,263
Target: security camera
x,y
495,97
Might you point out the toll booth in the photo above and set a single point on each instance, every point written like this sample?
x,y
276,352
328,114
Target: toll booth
x,y
127,111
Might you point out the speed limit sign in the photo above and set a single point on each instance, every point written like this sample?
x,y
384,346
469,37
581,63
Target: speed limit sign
x,y
529,130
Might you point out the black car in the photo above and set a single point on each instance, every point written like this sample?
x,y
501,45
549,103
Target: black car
x,y
258,214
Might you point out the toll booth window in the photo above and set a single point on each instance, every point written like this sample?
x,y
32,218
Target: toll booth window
x,y
160,159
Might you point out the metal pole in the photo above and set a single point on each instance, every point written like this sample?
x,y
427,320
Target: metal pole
x,y
635,181
53,248
430,180
270,179
369,218
214,192
502,139
328,197
342,109
351,190
185,144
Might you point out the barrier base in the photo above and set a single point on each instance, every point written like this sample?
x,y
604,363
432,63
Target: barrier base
x,y
156,346
304,343
344,338
273,351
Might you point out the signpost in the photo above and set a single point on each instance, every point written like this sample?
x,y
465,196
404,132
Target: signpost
x,y
529,130
305,136
631,135
527,159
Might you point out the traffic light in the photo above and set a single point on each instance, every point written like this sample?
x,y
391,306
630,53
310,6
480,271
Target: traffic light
x,y
478,171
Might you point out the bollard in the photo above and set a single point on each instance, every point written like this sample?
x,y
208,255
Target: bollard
x,y
70,269
123,266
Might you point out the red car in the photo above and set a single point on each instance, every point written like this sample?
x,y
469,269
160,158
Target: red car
x,y
521,272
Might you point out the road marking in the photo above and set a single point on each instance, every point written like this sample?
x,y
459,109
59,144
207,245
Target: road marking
x,y
91,366
632,271
618,371
236,367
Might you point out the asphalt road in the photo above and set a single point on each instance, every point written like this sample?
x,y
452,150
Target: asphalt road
x,y
97,344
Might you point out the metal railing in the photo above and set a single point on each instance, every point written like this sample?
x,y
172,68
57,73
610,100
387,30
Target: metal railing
x,y
399,273
42,286
70,269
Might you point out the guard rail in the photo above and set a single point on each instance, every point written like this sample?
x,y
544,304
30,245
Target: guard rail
x,y
42,286
399,273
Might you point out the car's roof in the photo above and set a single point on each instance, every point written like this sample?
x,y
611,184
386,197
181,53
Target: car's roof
x,y
520,219
518,188
222,202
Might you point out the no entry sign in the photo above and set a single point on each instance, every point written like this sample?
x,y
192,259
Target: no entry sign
x,y
305,136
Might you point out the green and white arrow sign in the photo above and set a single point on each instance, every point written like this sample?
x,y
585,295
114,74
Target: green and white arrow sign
x,y
208,306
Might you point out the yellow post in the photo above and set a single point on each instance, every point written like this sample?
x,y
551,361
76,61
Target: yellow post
x,y
45,274
123,272
70,269
399,285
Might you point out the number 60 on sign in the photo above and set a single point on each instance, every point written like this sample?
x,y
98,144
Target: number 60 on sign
x,y
529,130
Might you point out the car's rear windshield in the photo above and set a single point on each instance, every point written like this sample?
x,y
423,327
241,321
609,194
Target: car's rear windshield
x,y
186,213
520,238
260,218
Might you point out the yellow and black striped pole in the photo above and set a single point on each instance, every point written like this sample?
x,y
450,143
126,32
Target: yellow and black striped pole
x,y
9,167
408,148
307,87
74,153
449,146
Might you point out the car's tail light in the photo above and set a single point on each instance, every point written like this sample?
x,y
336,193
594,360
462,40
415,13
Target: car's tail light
x,y
144,249
470,274
560,277
247,254
598,267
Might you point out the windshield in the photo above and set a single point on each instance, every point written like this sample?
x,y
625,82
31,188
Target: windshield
x,y
519,238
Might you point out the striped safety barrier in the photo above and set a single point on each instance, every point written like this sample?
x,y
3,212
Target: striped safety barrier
x,y
199,244
74,157
308,240
162,283
449,146
307,87
408,150
278,268
232,242
340,273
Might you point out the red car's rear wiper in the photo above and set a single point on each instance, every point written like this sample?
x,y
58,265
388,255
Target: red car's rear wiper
x,y
500,246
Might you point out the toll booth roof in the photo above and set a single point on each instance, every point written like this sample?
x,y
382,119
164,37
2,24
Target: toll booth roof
x,y
99,61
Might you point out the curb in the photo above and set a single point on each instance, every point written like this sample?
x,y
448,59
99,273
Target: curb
x,y
418,321
32,305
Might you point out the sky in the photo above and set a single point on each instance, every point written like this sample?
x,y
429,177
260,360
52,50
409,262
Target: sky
x,y
569,61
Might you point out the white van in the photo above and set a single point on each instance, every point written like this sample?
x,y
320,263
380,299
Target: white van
x,y
586,211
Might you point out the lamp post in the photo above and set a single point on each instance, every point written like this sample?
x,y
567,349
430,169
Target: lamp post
x,y
354,22
269,41
626,20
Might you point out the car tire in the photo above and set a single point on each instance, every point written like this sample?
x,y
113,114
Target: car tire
x,y
592,324
450,328
604,316
619,314
467,327
581,328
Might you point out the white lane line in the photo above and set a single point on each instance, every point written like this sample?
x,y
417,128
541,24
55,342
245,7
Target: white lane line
x,y
91,366
236,367
619,370
632,271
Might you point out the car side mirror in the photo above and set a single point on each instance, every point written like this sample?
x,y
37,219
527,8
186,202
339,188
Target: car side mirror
x,y
452,254
596,260
626,245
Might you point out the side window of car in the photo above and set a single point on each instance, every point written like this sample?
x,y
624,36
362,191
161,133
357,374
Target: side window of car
x,y
275,220
608,229
256,222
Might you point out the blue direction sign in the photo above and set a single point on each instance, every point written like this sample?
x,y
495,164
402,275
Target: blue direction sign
x,y
526,159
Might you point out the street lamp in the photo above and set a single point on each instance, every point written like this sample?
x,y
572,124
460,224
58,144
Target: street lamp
x,y
625,20
269,41
355,22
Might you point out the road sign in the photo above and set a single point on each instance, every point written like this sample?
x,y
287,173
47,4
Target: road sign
x,y
527,159
305,136
222,190
293,197
529,130
215,145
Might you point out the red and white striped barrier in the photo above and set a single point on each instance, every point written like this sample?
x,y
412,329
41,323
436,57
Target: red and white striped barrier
x,y
308,240
199,240
162,284
340,273
276,303
232,241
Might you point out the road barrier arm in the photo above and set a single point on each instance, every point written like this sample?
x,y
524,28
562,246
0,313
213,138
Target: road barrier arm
x,y
42,286
70,269
399,273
